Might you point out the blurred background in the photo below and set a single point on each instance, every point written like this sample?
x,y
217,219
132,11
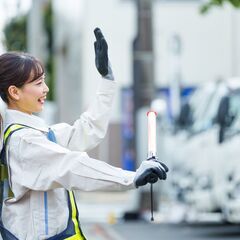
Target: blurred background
x,y
180,58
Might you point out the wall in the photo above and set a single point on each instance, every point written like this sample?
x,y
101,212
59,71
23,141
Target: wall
x,y
206,42
117,21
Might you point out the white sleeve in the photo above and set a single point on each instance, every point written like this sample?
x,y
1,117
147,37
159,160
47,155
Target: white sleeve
x,y
91,127
39,164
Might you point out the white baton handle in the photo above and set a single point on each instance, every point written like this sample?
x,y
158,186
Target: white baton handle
x,y
152,152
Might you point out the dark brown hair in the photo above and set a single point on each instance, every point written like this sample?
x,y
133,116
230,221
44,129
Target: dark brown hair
x,y
18,68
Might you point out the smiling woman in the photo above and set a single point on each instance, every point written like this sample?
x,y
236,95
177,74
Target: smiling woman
x,y
22,85
43,164
30,98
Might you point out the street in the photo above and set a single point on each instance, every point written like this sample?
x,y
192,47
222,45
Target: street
x,y
143,231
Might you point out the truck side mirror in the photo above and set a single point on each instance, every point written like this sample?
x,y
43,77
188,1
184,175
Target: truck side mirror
x,y
224,118
223,112
185,117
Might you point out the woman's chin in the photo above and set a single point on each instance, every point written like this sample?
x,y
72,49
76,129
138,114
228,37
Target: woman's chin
x,y
39,109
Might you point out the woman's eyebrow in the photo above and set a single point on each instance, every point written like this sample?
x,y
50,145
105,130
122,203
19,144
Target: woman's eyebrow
x,y
40,78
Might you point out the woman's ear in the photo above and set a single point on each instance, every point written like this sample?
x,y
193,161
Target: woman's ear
x,y
13,92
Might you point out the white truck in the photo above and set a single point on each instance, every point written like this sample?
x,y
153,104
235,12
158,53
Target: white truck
x,y
203,154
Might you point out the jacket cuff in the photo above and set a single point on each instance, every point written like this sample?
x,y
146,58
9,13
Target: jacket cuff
x,y
129,177
106,86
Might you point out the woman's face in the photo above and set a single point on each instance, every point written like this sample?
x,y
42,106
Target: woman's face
x,y
31,96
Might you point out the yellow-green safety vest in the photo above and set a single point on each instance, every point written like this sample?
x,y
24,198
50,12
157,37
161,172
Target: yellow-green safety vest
x,y
73,230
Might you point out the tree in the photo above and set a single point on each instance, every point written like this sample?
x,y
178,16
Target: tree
x,y
15,34
48,25
211,3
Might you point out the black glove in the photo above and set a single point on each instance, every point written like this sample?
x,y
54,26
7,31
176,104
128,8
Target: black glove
x,y
101,55
150,171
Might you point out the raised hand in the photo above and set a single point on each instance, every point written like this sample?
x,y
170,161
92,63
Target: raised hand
x,y
101,55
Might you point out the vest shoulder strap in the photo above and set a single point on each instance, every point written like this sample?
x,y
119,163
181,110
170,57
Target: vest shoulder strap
x,y
7,133
11,129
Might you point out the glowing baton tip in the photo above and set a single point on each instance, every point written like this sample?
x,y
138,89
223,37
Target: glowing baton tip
x,y
150,112
151,115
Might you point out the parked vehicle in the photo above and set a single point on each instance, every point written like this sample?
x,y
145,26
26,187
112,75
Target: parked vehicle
x,y
215,166
229,134
204,153
182,147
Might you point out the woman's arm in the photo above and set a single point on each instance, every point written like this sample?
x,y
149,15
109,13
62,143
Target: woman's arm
x,y
39,164
91,127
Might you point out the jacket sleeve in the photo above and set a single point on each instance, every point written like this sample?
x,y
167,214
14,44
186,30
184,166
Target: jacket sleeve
x,y
91,127
39,164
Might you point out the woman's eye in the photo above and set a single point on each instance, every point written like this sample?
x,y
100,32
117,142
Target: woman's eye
x,y
39,83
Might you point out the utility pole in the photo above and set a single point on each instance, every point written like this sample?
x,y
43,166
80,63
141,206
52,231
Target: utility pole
x,y
143,88
143,56
36,35
67,54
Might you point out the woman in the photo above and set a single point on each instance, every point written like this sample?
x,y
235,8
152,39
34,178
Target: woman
x,y
44,164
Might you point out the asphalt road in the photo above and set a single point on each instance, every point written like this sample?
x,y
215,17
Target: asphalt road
x,y
148,231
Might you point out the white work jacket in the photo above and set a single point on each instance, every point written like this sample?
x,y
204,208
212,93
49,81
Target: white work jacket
x,y
38,165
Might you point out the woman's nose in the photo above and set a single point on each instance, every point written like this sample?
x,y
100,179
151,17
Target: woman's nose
x,y
46,89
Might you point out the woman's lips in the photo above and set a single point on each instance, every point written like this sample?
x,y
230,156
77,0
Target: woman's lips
x,y
42,100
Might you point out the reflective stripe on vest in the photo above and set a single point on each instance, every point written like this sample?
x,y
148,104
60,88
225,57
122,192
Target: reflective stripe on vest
x,y
73,230
10,130
74,213
4,168
78,233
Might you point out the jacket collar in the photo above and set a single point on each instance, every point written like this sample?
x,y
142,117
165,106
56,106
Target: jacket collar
x,y
14,116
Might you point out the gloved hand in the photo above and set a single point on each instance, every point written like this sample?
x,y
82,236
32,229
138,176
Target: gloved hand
x,y
101,55
150,171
